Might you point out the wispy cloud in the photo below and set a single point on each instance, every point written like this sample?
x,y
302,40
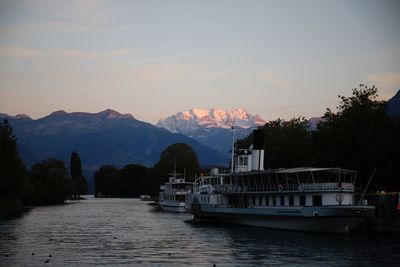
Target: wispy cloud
x,y
274,79
58,27
169,72
15,52
94,16
77,10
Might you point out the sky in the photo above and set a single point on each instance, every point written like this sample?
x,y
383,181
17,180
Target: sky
x,y
278,59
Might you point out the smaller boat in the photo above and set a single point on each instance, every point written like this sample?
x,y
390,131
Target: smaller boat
x,y
146,198
173,194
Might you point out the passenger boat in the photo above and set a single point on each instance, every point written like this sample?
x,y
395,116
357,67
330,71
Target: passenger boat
x,y
173,194
146,198
299,199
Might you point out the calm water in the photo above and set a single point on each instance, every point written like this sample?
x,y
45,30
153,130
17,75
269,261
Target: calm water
x,y
113,232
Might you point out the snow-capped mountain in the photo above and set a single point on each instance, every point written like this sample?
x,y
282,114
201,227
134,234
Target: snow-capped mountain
x,y
188,122
106,137
212,127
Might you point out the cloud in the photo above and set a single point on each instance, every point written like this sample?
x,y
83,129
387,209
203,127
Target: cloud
x,y
388,82
15,52
72,16
18,52
75,10
274,80
57,27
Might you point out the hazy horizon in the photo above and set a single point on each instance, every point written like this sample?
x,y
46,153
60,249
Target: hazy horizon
x,y
153,59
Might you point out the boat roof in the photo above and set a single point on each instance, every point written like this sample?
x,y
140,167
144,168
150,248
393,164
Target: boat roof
x,y
312,169
290,170
179,183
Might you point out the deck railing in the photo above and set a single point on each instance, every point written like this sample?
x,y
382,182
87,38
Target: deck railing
x,y
175,191
344,187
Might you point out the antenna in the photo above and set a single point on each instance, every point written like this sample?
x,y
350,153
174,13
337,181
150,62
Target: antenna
x,y
175,169
233,146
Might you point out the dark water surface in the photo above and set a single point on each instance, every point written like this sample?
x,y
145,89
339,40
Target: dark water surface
x,y
113,232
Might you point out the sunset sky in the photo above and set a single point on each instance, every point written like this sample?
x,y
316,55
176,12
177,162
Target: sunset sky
x,y
155,58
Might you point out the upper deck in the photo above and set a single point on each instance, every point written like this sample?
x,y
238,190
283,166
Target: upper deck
x,y
281,180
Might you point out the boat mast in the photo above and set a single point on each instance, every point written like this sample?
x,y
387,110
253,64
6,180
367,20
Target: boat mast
x,y
233,146
175,169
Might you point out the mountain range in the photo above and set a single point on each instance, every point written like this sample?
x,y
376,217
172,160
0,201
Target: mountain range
x,y
212,127
393,105
107,137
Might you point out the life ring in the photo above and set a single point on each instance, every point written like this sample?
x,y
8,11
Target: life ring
x,y
280,188
301,187
339,198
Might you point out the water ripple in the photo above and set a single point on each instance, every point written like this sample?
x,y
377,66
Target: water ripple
x,y
111,232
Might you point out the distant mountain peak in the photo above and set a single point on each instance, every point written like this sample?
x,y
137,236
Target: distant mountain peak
x,y
22,116
112,114
105,114
58,113
186,122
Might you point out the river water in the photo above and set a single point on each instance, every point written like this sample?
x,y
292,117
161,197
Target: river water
x,y
113,232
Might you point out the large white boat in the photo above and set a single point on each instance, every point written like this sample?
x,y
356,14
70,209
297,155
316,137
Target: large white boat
x,y
299,199
173,194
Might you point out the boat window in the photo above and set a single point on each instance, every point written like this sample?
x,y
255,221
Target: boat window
x,y
282,200
260,201
291,201
317,200
273,201
243,161
267,201
302,200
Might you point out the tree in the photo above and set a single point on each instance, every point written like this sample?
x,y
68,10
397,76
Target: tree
x,y
131,181
287,143
14,180
360,136
104,180
75,165
180,155
50,182
79,181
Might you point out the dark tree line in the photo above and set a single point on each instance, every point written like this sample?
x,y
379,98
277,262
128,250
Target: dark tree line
x,y
14,180
47,182
80,186
359,135
135,180
130,181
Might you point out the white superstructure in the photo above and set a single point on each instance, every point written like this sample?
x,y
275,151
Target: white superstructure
x,y
173,194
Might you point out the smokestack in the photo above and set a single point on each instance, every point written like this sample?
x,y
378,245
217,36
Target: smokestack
x,y
258,139
257,154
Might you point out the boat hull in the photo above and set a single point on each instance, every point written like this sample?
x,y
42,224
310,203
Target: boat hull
x,y
173,209
172,206
334,220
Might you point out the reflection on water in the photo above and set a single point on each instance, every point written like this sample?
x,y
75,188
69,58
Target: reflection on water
x,y
128,232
